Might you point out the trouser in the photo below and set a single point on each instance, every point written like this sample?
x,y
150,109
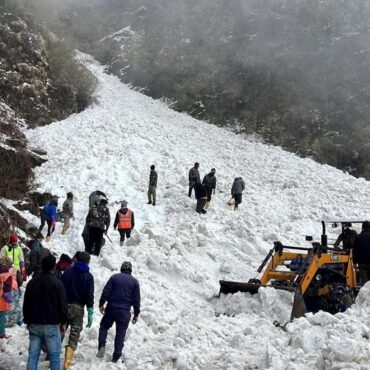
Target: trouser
x,y
123,233
95,240
152,193
67,220
2,322
14,315
75,321
50,335
191,187
200,204
121,317
238,199
364,273
43,221
209,194
50,227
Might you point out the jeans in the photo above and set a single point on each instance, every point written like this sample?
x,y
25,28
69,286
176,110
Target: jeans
x,y
2,322
122,319
49,334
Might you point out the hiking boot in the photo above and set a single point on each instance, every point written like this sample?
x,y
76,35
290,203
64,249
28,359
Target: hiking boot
x,y
101,352
203,211
115,360
150,202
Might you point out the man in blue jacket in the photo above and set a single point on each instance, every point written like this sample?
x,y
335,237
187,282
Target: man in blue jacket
x,y
50,215
121,292
79,285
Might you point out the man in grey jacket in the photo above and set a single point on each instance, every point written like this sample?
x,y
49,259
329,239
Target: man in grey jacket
x,y
152,189
236,192
194,177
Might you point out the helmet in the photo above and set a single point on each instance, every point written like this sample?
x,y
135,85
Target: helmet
x,y
126,266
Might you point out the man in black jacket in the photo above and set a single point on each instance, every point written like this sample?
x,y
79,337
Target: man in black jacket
x,y
361,252
79,285
194,177
37,254
201,195
209,182
152,189
45,313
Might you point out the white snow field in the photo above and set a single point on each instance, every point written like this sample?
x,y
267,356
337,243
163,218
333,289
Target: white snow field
x,y
179,256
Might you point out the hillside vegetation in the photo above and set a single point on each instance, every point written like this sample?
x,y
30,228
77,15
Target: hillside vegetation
x,y
296,72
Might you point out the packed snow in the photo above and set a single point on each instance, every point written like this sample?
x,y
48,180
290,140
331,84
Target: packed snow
x,y
179,256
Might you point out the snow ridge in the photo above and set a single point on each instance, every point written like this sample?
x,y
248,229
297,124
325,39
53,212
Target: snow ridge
x,y
179,256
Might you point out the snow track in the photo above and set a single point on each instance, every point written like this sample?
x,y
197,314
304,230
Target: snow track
x,y
179,256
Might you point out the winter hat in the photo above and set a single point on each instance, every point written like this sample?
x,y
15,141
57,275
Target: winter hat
x,y
34,245
126,267
83,257
70,195
5,264
48,263
13,239
124,204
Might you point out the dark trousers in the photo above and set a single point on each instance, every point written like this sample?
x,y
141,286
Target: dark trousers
x,y
43,221
95,240
122,319
191,187
238,199
200,204
209,193
123,233
364,273
50,229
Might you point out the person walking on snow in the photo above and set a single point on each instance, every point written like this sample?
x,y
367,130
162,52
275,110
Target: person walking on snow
x,y
201,195
98,221
50,214
79,285
6,297
236,192
125,221
67,212
37,254
45,312
209,182
121,292
194,177
152,189
14,251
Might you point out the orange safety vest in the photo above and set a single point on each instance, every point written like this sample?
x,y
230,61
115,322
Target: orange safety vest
x,y
125,220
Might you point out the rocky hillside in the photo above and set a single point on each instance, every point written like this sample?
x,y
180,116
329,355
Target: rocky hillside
x,y
40,82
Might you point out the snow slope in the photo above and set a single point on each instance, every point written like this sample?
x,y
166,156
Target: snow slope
x,y
179,256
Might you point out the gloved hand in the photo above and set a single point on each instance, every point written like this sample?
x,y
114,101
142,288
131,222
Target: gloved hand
x,y
24,274
90,312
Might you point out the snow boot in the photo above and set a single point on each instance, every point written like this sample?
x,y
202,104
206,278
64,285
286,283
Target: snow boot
x,y
121,243
203,211
153,203
64,231
150,202
68,357
101,352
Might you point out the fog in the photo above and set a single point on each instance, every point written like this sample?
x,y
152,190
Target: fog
x,y
297,72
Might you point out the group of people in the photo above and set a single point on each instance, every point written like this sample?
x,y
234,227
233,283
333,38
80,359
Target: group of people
x,y
204,189
55,299
360,246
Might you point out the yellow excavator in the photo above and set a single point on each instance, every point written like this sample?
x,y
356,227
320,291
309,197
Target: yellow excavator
x,y
321,277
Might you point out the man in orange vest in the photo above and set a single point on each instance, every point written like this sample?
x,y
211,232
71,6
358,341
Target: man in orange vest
x,y
125,222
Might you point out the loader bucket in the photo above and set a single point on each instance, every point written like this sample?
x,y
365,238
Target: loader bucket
x,y
232,287
299,308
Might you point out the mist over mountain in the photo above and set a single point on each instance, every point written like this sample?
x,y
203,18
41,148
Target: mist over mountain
x,y
297,72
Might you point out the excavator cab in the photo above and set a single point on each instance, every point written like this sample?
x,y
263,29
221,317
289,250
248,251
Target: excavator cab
x,y
321,277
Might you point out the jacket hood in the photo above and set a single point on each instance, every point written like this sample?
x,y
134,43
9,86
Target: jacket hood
x,y
80,266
